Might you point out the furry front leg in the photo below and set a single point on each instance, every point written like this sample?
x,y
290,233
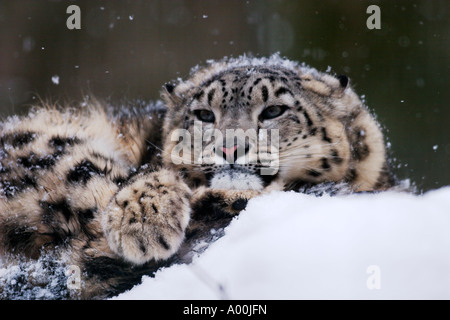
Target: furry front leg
x,y
147,218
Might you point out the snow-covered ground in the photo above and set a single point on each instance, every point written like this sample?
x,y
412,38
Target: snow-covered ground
x,y
287,245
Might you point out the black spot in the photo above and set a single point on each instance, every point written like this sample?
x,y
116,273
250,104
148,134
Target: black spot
x,y
239,204
10,188
314,173
33,162
265,93
359,133
142,247
282,90
26,161
86,214
351,175
51,209
325,165
163,242
335,158
386,179
154,208
343,80
325,136
211,95
60,144
360,151
58,141
169,87
257,81
46,162
83,171
313,131
18,139
199,95
308,119
28,181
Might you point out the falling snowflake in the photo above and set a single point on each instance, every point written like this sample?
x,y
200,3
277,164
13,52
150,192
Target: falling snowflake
x,y
55,79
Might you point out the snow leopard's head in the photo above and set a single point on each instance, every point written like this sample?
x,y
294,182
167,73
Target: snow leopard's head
x,y
247,122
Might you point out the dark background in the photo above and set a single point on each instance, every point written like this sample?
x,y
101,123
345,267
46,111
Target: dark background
x,y
128,49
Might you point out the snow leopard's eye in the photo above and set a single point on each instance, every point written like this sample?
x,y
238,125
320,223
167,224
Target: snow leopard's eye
x,y
272,112
205,115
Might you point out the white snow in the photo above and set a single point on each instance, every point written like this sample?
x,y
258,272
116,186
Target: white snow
x,y
248,60
287,245
55,79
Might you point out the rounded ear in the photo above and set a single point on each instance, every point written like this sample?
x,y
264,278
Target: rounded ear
x,y
169,87
343,80
170,96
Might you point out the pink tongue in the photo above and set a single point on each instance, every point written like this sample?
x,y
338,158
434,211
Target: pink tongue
x,y
229,151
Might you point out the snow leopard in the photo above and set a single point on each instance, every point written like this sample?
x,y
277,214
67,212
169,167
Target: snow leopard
x,y
120,192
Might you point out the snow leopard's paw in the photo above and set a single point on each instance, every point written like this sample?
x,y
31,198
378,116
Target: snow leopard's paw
x,y
212,204
147,218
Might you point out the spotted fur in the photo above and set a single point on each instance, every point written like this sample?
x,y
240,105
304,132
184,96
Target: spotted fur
x,y
326,132
101,190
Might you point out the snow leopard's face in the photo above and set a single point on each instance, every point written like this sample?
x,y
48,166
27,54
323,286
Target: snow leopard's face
x,y
244,127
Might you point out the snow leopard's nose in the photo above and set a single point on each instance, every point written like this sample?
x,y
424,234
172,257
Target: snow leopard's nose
x,y
229,151
231,154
